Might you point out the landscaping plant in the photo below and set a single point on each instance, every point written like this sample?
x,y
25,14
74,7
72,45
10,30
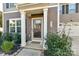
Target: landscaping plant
x,y
17,38
12,37
8,37
7,46
10,41
58,46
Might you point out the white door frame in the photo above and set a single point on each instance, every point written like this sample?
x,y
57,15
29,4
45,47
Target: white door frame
x,y
39,39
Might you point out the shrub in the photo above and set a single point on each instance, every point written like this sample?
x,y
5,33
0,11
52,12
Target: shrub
x,y
7,37
7,46
17,38
12,37
9,41
58,46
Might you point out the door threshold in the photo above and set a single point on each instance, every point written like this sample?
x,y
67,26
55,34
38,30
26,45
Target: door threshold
x,y
36,40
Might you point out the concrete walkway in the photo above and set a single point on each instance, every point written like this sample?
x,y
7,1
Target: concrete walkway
x,y
75,45
29,52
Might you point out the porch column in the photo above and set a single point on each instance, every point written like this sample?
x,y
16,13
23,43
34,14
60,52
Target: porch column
x,y
45,25
23,29
4,25
58,17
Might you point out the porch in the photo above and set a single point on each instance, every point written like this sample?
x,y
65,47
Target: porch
x,y
34,25
34,28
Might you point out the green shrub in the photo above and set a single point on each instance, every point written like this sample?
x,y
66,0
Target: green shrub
x,y
12,37
7,46
5,37
9,40
8,37
17,38
57,46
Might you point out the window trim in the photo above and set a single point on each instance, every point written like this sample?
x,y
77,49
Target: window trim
x,y
9,5
62,9
15,24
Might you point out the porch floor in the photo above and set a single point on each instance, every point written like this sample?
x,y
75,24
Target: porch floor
x,y
34,45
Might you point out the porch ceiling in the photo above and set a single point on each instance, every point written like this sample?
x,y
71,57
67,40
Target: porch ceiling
x,y
34,6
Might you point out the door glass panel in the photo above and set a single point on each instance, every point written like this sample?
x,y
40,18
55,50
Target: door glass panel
x,y
37,28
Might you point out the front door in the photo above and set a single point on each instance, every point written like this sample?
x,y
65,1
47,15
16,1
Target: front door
x,y
37,29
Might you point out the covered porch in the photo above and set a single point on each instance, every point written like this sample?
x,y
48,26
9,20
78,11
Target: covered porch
x,y
34,24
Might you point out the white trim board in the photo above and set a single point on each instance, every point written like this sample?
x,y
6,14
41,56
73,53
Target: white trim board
x,y
15,18
10,12
45,7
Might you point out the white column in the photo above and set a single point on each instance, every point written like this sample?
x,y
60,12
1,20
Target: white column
x,y
45,25
4,23
45,22
58,18
23,29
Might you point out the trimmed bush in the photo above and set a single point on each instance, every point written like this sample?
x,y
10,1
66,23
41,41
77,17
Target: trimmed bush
x,y
7,37
10,42
58,46
17,38
7,46
12,37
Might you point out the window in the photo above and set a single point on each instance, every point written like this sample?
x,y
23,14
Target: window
x,y
62,9
69,8
72,8
10,5
7,5
15,26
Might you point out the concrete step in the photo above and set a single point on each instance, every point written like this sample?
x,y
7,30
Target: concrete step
x,y
34,45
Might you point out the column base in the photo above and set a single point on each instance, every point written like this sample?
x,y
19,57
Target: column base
x,y
23,44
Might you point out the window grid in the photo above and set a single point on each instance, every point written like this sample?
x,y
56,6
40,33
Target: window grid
x,y
69,9
16,29
9,5
72,8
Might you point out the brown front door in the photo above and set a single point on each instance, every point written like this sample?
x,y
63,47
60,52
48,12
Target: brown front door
x,y
37,29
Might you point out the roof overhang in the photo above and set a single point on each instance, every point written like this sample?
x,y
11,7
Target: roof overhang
x,y
34,6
